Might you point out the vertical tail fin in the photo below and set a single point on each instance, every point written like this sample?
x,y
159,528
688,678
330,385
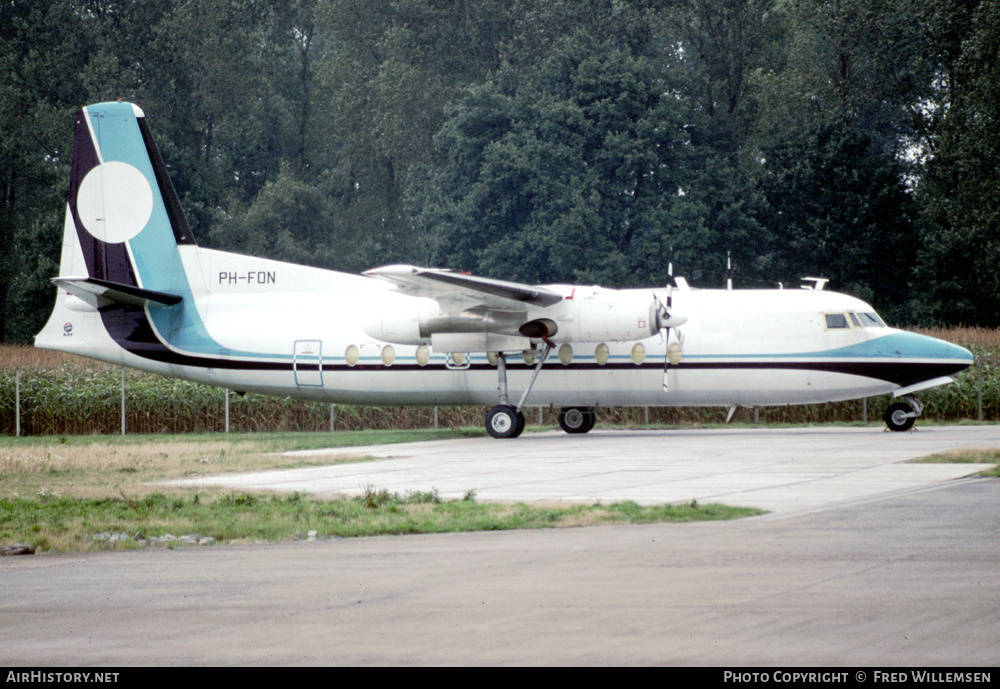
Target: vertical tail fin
x,y
121,201
121,265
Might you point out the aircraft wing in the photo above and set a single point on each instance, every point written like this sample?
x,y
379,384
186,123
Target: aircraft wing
x,y
452,289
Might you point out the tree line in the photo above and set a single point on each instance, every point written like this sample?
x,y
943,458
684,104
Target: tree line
x,y
587,141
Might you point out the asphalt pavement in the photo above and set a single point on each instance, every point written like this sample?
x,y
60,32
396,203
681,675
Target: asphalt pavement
x,y
865,560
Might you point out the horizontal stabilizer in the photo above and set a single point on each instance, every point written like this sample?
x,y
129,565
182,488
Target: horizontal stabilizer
x,y
101,293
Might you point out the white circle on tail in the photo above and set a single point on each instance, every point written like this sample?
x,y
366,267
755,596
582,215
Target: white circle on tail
x,y
114,202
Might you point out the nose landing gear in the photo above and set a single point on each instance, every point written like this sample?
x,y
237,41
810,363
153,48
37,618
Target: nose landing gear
x,y
901,415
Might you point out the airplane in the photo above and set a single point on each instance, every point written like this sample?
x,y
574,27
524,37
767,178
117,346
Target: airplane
x,y
135,289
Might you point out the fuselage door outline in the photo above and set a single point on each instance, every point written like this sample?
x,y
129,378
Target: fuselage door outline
x,y
307,362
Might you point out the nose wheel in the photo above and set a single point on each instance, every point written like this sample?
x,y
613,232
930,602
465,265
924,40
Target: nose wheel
x,y
901,415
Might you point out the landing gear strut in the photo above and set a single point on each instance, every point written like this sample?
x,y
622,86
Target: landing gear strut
x,y
504,420
901,415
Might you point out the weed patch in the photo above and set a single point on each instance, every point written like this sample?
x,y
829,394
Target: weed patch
x,y
990,456
71,524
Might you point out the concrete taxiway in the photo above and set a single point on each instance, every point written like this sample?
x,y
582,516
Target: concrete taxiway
x,y
873,562
783,471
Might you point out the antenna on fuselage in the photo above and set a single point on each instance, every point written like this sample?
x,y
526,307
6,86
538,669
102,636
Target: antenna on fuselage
x,y
817,284
679,282
729,271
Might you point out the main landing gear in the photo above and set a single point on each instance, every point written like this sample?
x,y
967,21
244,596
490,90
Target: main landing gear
x,y
577,419
507,421
901,415
504,420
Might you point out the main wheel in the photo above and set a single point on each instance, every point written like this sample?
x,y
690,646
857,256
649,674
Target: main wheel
x,y
577,419
521,423
899,417
504,421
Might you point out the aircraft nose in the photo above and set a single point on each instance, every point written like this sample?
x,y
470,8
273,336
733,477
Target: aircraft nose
x,y
918,359
934,350
962,354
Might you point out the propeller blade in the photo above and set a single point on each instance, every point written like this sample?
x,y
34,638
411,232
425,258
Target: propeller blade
x,y
666,364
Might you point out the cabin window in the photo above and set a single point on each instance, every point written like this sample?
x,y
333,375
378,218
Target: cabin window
x,y
836,321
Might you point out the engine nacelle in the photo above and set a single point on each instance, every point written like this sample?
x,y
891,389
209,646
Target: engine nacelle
x,y
584,315
602,316
418,326
401,325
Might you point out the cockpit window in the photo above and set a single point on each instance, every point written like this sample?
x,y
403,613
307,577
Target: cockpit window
x,y
850,320
871,320
836,320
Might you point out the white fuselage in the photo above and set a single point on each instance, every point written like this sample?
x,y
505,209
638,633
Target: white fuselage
x,y
135,289
281,329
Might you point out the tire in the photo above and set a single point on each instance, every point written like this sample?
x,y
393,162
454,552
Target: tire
x,y
898,417
520,424
503,421
577,419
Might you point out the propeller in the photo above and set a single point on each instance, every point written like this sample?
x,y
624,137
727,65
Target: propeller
x,y
667,321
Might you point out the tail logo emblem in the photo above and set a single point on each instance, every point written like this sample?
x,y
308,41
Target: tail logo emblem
x,y
115,202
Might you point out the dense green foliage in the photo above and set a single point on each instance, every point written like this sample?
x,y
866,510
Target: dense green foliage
x,y
536,140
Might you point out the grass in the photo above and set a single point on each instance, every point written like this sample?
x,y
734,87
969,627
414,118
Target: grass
x,y
66,524
57,492
101,466
991,456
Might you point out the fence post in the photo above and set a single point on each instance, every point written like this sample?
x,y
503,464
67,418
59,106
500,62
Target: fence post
x,y
435,418
227,410
864,410
979,385
17,406
645,416
123,400
331,417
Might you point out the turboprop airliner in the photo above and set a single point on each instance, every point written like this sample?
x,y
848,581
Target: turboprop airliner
x,y
135,289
